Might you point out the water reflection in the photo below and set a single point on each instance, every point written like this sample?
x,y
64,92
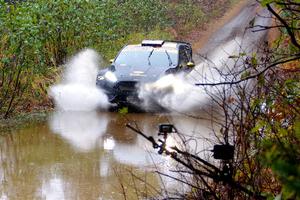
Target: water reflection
x,y
86,131
82,129
109,144
84,155
199,133
3,197
53,189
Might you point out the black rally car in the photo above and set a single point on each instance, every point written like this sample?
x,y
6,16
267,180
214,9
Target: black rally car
x,y
142,63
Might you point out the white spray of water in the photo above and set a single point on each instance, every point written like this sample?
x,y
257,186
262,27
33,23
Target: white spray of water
x,y
78,91
173,93
179,93
233,39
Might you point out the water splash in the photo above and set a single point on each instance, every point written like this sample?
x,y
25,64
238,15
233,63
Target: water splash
x,y
179,93
78,91
173,93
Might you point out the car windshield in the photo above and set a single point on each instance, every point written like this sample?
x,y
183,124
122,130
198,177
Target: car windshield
x,y
147,56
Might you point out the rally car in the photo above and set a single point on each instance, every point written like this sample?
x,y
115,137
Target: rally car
x,y
142,63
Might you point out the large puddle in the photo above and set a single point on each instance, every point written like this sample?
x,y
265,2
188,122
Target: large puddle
x,y
92,155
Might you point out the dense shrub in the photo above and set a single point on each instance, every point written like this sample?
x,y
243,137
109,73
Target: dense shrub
x,y
37,36
49,30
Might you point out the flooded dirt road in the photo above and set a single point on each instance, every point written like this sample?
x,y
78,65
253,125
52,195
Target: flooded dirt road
x,y
91,155
87,155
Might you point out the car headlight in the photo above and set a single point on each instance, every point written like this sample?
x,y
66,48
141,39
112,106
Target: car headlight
x,y
110,76
100,77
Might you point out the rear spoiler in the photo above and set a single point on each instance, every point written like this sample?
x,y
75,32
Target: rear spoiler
x,y
159,43
178,41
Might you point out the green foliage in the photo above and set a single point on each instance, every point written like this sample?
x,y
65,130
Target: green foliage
x,y
283,158
245,74
287,10
279,123
52,30
186,14
279,127
37,36
265,2
123,111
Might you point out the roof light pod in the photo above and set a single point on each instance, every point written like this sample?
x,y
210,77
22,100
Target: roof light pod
x,y
153,43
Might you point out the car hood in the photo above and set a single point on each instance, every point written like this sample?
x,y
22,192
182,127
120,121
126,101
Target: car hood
x,y
139,73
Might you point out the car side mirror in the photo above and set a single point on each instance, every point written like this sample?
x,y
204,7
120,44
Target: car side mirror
x,y
111,61
190,64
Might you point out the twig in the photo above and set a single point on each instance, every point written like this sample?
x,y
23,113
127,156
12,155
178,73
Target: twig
x,y
249,77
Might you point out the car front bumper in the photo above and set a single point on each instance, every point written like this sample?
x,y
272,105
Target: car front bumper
x,y
122,93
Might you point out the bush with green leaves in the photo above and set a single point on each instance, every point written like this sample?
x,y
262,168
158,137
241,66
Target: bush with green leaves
x,y
37,36
50,30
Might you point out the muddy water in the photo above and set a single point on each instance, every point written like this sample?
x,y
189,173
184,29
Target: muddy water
x,y
89,155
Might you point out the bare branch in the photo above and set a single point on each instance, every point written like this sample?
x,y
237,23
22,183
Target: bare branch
x,y
290,32
249,77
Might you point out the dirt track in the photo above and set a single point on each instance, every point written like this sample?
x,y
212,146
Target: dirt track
x,y
232,36
235,26
200,37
